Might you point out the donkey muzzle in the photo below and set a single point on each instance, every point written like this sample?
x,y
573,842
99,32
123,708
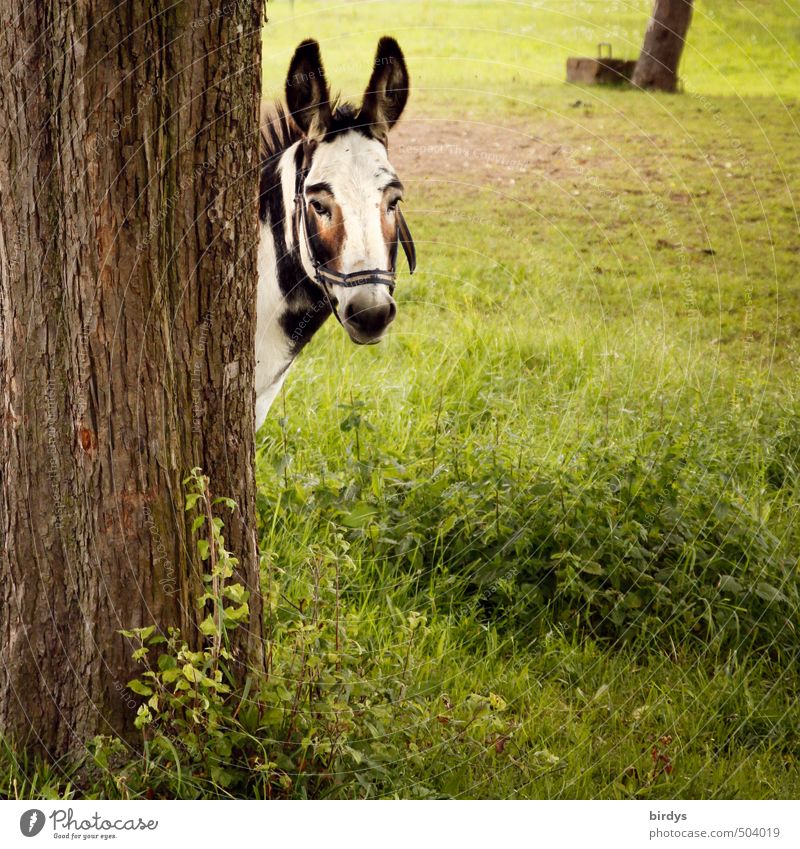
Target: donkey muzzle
x,y
367,313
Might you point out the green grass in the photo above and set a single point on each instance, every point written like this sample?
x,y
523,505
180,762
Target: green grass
x,y
572,721
599,350
498,55
562,498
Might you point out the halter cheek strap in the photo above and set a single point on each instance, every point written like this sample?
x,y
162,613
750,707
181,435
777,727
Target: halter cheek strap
x,y
326,277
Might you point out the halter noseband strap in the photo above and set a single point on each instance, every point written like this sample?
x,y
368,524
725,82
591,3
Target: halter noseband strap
x,y
325,277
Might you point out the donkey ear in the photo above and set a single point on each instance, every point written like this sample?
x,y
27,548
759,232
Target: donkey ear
x,y
307,94
387,92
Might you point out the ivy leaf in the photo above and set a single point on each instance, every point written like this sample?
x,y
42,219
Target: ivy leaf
x,y
170,675
236,593
166,661
139,687
143,717
191,674
208,627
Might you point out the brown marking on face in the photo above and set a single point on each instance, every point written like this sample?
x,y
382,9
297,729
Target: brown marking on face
x,y
330,235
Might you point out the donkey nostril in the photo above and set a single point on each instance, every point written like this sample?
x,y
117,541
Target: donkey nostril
x,y
372,318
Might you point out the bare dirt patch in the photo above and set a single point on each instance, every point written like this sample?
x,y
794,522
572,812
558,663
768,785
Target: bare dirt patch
x,y
478,152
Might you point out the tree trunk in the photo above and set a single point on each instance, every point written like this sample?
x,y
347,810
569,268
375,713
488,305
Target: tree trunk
x,y
128,232
657,67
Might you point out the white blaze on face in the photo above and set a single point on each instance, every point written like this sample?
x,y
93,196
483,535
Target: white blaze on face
x,y
363,188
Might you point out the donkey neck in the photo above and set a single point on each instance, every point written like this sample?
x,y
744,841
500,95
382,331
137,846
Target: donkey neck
x,y
290,306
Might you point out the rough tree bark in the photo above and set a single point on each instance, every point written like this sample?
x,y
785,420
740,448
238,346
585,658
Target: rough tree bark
x,y
657,66
128,229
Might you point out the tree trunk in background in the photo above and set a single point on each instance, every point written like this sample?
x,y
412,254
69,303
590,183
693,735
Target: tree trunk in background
x,y
128,232
657,67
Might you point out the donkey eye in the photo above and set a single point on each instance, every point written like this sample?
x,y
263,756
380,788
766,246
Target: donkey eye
x,y
320,209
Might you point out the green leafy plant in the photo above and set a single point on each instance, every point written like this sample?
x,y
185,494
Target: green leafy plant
x,y
325,717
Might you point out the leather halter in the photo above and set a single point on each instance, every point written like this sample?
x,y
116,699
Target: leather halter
x,y
325,277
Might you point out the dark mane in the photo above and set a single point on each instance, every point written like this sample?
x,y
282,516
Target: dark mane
x,y
280,132
344,117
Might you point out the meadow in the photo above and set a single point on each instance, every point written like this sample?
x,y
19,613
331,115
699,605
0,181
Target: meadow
x,y
542,542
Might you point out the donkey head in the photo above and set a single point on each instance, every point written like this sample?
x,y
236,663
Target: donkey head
x,y
349,224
